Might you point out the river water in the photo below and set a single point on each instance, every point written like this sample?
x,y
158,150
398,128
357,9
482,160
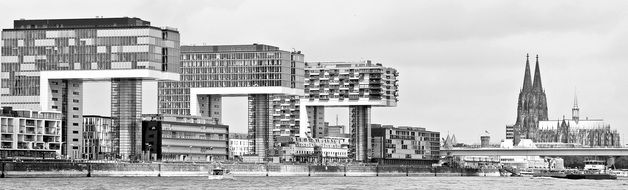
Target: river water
x,y
311,183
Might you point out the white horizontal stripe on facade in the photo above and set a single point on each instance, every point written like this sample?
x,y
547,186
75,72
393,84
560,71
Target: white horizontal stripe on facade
x,y
4,90
4,75
9,99
60,34
101,49
9,59
145,40
128,32
169,44
134,49
30,74
44,42
121,65
28,59
27,67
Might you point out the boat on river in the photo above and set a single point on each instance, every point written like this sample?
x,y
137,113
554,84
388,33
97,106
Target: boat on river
x,y
219,173
593,169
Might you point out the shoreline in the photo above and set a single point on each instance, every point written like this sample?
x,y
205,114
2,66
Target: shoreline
x,y
70,170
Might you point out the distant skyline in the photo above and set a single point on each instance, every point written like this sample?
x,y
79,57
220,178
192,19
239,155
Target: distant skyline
x,y
461,63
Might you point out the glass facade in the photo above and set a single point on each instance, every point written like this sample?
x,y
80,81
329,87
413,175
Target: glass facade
x,y
98,137
94,44
254,65
184,138
126,114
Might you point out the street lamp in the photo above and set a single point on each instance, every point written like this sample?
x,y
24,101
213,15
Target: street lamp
x,y
149,153
190,153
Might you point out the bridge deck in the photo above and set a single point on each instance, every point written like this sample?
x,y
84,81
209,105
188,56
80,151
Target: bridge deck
x,y
535,152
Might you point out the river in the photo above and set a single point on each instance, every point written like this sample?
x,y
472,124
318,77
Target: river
x,y
311,183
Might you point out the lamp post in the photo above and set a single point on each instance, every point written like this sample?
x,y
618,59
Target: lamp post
x,y
190,153
149,153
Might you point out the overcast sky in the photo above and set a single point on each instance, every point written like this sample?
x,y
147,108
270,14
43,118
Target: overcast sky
x,y
461,63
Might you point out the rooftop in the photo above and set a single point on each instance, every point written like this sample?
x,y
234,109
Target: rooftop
x,y
78,23
227,48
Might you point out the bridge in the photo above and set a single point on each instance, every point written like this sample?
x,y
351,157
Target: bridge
x,y
534,152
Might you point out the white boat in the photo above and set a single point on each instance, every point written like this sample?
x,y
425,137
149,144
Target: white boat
x,y
219,173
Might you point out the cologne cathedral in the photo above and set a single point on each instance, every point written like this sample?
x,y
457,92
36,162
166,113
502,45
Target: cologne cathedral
x,y
532,120
531,108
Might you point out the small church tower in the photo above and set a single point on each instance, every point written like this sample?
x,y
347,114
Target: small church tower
x,y
575,111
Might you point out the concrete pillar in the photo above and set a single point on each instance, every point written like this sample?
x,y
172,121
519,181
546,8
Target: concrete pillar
x,y
316,120
210,106
360,123
126,114
260,121
67,97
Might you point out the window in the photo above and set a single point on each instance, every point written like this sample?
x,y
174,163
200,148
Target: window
x,y
75,108
404,146
75,100
74,132
74,140
55,99
75,147
75,93
75,124
75,116
55,107
55,91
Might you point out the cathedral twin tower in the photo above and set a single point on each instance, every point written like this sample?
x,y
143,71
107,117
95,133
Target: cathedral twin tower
x,y
532,106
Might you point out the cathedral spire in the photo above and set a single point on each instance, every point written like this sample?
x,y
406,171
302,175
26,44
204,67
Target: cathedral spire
x,y
537,86
575,111
527,80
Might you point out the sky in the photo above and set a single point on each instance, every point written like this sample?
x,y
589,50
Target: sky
x,y
461,63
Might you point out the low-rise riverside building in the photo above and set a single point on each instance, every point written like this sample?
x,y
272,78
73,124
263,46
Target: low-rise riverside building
x,y
26,133
99,138
238,148
184,138
314,150
404,145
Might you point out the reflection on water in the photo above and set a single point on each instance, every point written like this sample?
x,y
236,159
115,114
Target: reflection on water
x,y
310,183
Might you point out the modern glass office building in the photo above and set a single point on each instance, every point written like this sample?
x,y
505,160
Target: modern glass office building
x,y
184,138
263,73
100,140
44,64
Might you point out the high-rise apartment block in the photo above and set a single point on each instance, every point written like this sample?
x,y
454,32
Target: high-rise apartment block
x,y
44,64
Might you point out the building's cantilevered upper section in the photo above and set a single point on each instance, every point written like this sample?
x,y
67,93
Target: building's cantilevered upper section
x,y
350,83
36,51
90,44
231,70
